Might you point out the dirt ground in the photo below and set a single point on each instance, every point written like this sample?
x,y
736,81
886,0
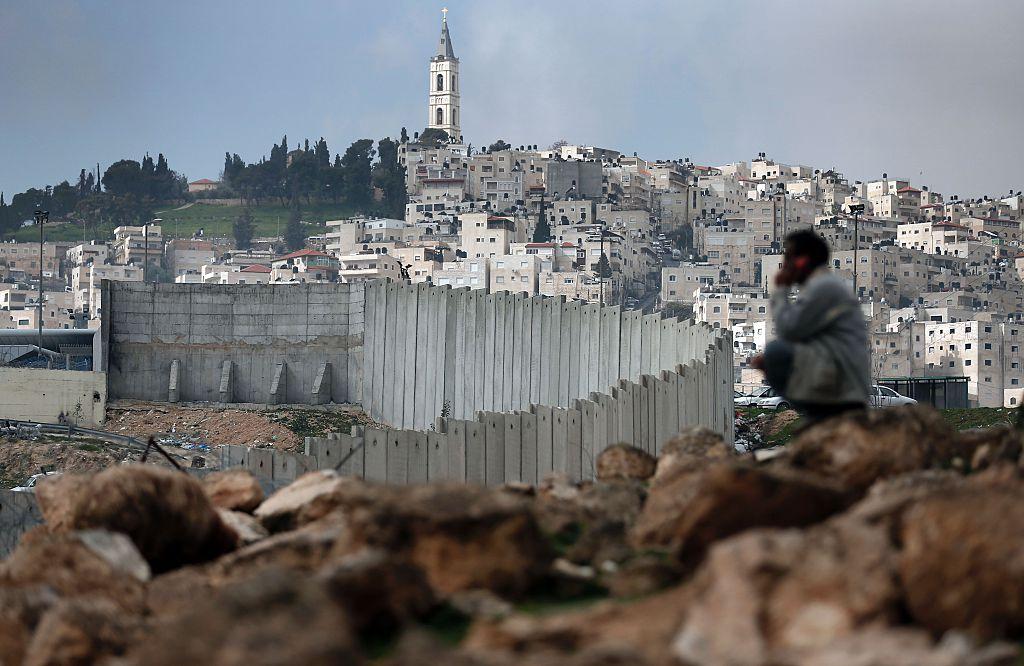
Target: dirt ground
x,y
22,458
205,428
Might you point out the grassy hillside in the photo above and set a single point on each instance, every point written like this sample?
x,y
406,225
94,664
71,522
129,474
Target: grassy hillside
x,y
184,221
959,419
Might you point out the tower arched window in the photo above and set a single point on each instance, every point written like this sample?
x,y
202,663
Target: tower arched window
x,y
440,82
440,116
455,119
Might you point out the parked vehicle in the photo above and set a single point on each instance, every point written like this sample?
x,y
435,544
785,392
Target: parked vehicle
x,y
883,396
751,399
766,398
30,485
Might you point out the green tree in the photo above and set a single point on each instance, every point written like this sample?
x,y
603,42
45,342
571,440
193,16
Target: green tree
x,y
243,230
389,176
294,234
404,137
433,137
604,267
542,232
124,177
357,163
500,144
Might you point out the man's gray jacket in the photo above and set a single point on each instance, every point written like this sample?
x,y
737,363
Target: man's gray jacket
x,y
831,361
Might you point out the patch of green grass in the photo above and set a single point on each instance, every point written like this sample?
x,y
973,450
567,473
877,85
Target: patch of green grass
x,y
270,220
216,221
550,604
979,417
447,624
94,448
314,423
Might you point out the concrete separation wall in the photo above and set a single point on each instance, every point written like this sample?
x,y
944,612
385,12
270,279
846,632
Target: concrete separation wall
x,y
233,343
432,352
19,512
33,394
522,445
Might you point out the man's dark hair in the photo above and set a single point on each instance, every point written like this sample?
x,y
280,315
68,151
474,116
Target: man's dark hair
x,y
807,243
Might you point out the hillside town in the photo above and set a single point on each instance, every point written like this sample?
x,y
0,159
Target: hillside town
x,y
938,276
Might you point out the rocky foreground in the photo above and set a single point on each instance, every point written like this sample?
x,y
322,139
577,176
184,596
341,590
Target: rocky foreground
x,y
876,539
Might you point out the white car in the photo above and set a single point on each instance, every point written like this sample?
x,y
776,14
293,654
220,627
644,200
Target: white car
x,y
767,398
30,485
754,399
883,396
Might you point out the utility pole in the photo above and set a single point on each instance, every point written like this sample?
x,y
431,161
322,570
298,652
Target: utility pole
x,y
41,216
856,209
145,251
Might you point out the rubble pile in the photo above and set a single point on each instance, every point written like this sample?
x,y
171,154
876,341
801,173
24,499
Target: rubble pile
x,y
203,428
881,538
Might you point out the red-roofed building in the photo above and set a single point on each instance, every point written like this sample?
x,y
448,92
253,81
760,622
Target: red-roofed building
x,y
202,185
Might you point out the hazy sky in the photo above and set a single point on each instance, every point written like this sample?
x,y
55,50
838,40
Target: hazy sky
x,y
928,90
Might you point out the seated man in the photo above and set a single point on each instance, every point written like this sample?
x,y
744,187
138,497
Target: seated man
x,y
820,360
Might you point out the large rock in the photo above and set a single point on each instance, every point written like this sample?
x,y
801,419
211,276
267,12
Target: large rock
x,y
961,560
21,609
982,448
80,564
725,499
303,550
622,461
859,448
273,618
315,495
782,590
591,522
462,537
246,528
234,490
82,631
379,591
165,512
878,646
639,632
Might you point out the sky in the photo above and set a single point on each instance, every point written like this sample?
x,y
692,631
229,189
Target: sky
x,y
929,90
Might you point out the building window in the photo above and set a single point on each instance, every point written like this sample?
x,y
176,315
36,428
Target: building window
x,y
440,83
440,116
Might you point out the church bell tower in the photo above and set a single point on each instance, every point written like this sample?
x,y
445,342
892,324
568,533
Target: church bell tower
x,y
444,86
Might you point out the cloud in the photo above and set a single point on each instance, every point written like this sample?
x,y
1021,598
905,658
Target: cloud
x,y
927,90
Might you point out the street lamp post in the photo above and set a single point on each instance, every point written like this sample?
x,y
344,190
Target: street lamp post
x,y
145,251
856,209
41,217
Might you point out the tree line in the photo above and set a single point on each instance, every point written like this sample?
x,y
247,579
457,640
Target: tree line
x,y
308,174
124,194
130,190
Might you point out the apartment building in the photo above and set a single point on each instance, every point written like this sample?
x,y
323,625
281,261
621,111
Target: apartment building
x,y
728,310
133,244
183,255
515,273
86,282
678,283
